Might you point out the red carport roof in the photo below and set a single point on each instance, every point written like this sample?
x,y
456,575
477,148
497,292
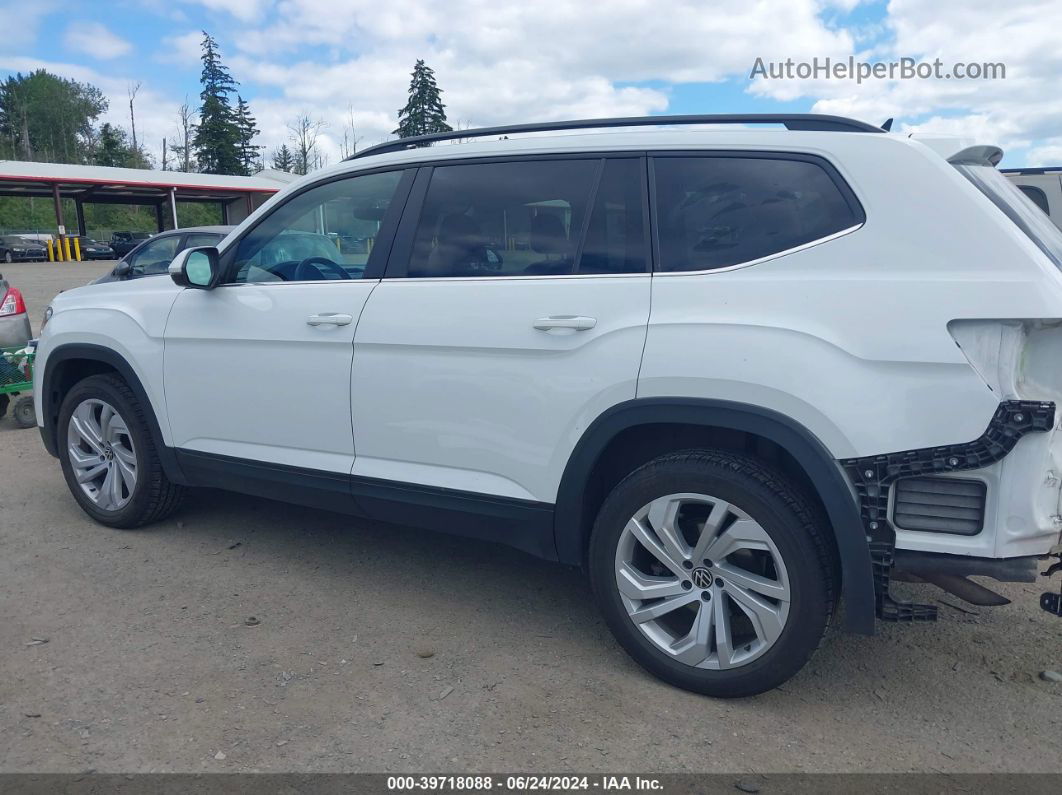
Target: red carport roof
x,y
95,183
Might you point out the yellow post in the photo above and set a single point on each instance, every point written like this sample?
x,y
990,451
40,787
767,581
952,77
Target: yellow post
x,y
66,245
51,256
77,249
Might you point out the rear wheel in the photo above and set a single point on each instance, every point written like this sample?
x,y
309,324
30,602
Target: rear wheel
x,y
108,457
713,572
25,416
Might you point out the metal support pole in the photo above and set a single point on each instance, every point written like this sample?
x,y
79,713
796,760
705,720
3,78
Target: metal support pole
x,y
173,206
80,208
59,218
158,217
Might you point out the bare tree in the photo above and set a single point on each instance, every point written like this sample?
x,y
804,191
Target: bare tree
x,y
303,134
461,124
350,135
133,89
183,148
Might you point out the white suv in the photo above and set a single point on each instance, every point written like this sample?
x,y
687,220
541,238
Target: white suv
x,y
736,374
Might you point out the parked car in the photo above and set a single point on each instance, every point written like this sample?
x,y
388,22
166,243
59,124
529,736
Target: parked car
x,y
92,249
1043,186
21,249
124,242
14,322
152,257
849,374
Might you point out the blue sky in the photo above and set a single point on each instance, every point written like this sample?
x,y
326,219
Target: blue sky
x,y
512,60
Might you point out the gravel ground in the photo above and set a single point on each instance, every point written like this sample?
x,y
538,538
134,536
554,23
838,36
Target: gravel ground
x,y
377,648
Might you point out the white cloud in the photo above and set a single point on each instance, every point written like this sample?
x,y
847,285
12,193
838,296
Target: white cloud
x,y
503,61
1049,154
1012,112
94,39
185,48
20,21
245,10
508,61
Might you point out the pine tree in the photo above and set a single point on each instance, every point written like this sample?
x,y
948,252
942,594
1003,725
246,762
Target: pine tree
x,y
112,147
248,127
424,112
218,138
283,160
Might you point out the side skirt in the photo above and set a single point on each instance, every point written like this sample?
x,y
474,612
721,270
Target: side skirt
x,y
523,524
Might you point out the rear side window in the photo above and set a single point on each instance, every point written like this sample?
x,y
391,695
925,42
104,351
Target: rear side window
x,y
197,239
1018,207
717,211
1037,196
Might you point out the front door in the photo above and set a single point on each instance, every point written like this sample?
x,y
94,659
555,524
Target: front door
x,y
513,313
258,369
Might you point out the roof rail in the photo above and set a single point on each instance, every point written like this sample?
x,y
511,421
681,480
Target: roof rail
x,y
792,121
1032,170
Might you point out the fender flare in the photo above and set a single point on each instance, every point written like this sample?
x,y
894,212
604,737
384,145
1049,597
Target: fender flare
x,y
824,472
50,400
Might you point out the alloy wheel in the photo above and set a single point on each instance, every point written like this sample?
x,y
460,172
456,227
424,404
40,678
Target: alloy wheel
x,y
101,452
702,580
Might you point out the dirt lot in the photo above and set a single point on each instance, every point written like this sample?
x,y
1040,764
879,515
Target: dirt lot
x,y
387,649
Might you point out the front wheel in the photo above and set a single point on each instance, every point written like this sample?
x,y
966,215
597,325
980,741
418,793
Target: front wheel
x,y
713,572
108,457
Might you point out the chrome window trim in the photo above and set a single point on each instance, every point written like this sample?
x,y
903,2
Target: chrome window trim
x,y
768,258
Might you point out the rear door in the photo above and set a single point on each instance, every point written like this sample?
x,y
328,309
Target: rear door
x,y
258,369
513,312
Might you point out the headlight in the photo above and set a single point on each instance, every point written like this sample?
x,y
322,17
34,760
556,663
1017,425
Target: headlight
x,y
47,317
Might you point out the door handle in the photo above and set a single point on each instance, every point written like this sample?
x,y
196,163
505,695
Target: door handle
x,y
329,319
575,322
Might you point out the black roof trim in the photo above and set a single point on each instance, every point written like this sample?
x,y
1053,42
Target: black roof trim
x,y
1035,170
792,121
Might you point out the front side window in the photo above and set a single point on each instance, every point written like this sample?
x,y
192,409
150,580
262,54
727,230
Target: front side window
x,y
326,233
718,211
503,219
155,257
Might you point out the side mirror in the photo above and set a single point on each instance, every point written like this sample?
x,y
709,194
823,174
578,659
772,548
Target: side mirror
x,y
122,269
197,267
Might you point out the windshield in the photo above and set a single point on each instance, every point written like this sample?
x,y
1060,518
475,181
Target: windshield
x,y
1019,208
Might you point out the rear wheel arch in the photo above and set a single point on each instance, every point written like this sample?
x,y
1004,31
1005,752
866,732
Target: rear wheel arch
x,y
632,433
73,362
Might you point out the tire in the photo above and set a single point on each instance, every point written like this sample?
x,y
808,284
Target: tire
x,y
25,416
152,496
8,258
766,528
4,401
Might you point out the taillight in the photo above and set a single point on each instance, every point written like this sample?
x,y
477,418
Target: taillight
x,y
12,303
